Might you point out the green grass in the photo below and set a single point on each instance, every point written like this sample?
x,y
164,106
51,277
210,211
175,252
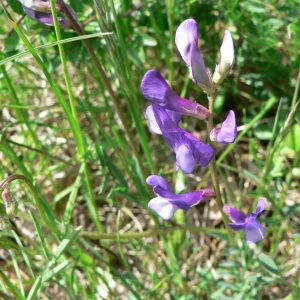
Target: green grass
x,y
73,123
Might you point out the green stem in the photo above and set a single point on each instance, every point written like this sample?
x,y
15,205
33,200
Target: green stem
x,y
36,198
214,171
148,233
63,61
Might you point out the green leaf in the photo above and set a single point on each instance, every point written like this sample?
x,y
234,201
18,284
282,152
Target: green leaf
x,y
67,242
35,288
40,233
11,44
55,270
11,286
148,40
268,263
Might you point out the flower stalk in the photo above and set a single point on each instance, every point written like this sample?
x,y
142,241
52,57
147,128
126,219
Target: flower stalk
x,y
214,171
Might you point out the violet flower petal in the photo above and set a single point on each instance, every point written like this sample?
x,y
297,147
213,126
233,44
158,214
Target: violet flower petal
x,y
191,198
237,226
45,18
234,214
227,132
197,67
175,117
176,137
261,205
156,180
254,231
156,90
185,160
186,34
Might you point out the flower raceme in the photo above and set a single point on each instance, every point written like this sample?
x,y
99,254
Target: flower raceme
x,y
190,151
254,231
156,90
167,202
227,132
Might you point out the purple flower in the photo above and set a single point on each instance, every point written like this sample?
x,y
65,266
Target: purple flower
x,y
46,18
190,151
168,202
227,59
40,11
39,5
227,132
254,231
186,39
156,90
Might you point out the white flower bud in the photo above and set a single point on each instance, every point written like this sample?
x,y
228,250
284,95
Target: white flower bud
x,y
227,59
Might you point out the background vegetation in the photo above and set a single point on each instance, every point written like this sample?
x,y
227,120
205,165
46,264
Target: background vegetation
x,y
81,137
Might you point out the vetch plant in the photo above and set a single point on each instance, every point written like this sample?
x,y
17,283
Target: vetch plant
x,y
164,116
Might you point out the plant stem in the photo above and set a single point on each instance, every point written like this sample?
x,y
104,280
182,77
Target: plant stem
x,y
213,169
149,233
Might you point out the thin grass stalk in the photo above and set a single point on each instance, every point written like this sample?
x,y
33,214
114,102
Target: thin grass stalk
x,y
54,86
169,6
107,84
129,89
20,113
91,199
